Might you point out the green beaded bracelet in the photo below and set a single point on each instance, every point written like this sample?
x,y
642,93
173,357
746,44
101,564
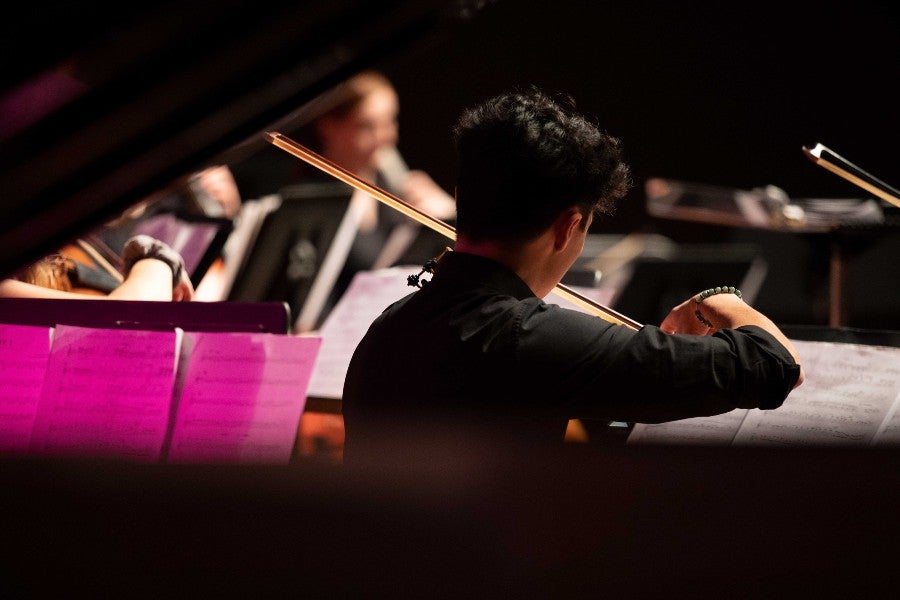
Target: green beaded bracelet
x,y
725,289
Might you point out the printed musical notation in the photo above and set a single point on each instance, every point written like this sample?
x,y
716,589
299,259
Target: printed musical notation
x,y
368,294
850,398
152,396
241,398
106,393
24,351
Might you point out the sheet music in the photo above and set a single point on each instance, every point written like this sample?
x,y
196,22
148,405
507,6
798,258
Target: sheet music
x,y
848,392
850,397
718,430
24,352
889,432
368,294
191,239
106,392
241,396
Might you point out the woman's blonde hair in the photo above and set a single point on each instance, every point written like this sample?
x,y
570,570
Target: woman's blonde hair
x,y
346,96
52,272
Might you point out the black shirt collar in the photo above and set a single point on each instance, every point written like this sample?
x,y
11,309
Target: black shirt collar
x,y
463,270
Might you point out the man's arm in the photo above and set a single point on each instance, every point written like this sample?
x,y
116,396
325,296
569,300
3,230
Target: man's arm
x,y
723,311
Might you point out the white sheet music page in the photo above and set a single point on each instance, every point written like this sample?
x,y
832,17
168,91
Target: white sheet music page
x,y
850,397
718,430
367,296
889,432
849,391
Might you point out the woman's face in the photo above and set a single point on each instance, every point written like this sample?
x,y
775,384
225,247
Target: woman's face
x,y
351,141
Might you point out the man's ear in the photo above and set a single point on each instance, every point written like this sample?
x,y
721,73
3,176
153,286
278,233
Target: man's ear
x,y
565,228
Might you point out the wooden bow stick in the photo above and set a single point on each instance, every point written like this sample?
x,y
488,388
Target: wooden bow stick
x,y
338,172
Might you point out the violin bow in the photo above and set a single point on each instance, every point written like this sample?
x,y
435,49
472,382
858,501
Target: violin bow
x,y
320,162
837,164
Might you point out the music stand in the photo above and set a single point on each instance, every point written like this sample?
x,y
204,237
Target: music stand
x,y
253,317
292,246
769,209
199,239
656,285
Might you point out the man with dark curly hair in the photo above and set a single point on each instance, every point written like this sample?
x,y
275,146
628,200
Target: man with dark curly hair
x,y
476,354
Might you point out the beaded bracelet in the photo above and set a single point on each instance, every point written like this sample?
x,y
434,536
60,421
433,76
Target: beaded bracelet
x,y
726,289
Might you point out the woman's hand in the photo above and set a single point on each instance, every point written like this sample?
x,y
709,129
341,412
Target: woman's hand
x,y
184,291
421,191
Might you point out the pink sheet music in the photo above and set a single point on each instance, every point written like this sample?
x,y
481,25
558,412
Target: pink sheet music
x,y
107,392
24,351
241,397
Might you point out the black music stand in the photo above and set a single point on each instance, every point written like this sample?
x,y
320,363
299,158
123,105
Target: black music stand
x,y
198,238
292,245
251,317
843,222
656,285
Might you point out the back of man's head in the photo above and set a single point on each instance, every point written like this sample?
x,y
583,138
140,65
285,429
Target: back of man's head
x,y
524,158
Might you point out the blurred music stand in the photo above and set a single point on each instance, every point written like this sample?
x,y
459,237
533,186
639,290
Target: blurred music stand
x,y
828,159
769,208
656,284
199,239
297,253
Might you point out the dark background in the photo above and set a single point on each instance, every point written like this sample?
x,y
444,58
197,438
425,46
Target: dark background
x,y
709,92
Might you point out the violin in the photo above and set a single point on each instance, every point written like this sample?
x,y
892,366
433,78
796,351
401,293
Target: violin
x,y
323,164
93,268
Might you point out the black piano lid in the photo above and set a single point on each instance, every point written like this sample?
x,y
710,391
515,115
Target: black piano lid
x,y
165,88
